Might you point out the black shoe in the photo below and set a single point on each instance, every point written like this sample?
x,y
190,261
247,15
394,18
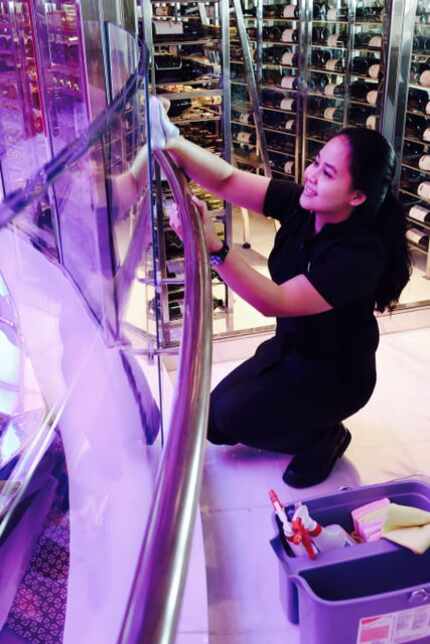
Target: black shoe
x,y
315,464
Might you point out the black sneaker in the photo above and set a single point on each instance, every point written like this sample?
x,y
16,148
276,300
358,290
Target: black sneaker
x,y
315,464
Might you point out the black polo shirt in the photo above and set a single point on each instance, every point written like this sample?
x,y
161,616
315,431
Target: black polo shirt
x,y
344,262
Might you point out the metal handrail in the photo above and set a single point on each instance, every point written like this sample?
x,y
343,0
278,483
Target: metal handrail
x,y
155,598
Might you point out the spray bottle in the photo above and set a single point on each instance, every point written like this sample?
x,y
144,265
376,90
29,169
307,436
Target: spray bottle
x,y
324,537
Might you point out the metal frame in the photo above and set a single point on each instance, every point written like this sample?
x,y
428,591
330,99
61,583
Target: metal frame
x,y
155,599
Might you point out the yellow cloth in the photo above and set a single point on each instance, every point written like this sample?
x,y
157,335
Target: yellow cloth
x,y
407,526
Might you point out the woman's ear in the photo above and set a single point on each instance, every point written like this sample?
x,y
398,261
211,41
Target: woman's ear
x,y
357,198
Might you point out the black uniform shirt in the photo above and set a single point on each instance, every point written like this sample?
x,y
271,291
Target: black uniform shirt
x,y
344,262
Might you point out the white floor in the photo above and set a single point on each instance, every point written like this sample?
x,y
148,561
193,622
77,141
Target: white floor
x,y
391,439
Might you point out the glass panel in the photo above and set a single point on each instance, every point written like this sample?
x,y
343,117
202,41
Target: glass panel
x,y
415,168
80,412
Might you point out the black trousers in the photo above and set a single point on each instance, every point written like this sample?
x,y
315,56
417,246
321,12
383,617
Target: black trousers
x,y
285,403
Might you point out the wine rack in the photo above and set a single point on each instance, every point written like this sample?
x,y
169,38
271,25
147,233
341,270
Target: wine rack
x,y
189,41
415,166
344,70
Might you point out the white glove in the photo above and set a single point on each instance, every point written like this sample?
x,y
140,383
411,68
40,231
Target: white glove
x,y
162,129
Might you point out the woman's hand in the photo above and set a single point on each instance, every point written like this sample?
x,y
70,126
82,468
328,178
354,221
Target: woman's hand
x,y
212,241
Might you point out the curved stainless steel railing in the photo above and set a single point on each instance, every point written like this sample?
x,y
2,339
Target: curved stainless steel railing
x,y
155,598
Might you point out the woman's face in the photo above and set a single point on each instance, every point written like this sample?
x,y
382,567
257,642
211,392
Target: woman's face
x,y
328,187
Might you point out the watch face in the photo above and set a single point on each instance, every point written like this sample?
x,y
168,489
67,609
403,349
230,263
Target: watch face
x,y
215,260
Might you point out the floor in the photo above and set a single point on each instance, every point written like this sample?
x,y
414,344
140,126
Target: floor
x,y
391,439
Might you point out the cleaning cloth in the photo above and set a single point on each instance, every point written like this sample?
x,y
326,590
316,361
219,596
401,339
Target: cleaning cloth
x,y
407,526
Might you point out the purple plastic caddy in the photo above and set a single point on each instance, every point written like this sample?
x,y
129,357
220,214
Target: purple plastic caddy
x,y
372,593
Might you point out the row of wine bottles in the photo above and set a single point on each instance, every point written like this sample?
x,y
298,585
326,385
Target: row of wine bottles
x,y
417,127
170,69
320,35
320,11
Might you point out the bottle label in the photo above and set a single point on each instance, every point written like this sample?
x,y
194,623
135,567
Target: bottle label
x,y
329,113
424,162
331,14
289,125
168,27
287,104
287,82
372,97
425,78
374,71
414,235
288,35
427,110
330,89
332,40
426,135
331,64
289,167
371,122
424,190
419,213
289,11
375,42
287,58
244,118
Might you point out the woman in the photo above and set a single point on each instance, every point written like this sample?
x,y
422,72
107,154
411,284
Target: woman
x,y
340,253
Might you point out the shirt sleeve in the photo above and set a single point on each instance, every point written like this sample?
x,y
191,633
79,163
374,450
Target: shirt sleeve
x,y
347,270
281,199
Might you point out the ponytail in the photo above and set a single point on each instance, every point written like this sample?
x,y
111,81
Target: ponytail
x,y
390,224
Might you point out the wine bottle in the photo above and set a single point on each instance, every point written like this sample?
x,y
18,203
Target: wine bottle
x,y
424,162
372,122
279,141
288,104
368,40
333,114
290,35
412,152
291,11
368,14
320,35
420,214
337,14
372,97
360,65
273,55
335,65
418,99
416,127
424,190
290,82
418,237
319,57
246,138
420,73
358,115
359,89
375,71
272,33
289,167
291,59
421,43
337,39
318,82
319,11
410,180
334,89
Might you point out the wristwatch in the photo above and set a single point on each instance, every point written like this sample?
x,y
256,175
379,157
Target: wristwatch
x,y
217,258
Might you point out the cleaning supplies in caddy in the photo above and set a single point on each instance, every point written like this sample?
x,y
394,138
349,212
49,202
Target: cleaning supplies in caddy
x,y
302,532
297,541
324,537
368,519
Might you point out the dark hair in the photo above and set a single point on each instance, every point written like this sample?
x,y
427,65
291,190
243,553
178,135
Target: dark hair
x,y
372,167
